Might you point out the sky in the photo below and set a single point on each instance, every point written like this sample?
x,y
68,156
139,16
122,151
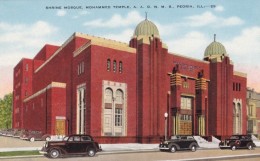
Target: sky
x,y
186,26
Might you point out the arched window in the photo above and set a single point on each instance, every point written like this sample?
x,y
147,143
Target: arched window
x,y
234,118
120,67
239,118
108,95
108,64
119,108
119,97
114,111
114,66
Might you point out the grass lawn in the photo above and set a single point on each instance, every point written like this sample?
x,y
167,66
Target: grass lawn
x,y
19,153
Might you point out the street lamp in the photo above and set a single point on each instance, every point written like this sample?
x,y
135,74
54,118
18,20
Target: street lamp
x,y
165,117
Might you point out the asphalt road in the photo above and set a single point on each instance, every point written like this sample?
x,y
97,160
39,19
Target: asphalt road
x,y
200,155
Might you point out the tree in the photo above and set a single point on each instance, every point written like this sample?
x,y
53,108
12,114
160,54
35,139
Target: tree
x,y
6,112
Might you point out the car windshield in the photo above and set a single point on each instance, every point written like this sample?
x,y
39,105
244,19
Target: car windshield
x,y
234,137
65,138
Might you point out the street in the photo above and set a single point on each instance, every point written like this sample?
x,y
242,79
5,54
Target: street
x,y
216,154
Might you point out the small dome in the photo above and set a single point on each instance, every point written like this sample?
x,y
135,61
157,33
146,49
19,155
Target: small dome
x,y
146,28
215,49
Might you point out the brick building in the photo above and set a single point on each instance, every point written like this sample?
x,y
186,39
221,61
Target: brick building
x,y
120,92
253,112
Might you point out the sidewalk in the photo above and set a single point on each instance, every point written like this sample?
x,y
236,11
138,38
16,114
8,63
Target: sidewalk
x,y
116,147
126,147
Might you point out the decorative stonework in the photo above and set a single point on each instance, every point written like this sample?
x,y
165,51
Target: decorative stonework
x,y
201,84
175,79
52,85
114,86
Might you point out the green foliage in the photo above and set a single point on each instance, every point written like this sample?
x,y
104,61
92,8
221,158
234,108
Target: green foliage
x,y
19,153
6,112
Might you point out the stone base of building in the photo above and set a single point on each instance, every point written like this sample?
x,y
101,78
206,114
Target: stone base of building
x,y
128,139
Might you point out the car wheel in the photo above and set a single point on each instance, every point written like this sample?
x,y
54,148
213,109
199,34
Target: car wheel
x,y
48,138
249,146
193,148
32,139
91,152
173,149
54,153
233,147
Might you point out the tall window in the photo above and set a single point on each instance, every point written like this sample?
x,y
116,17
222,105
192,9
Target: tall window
x,y
234,118
81,68
114,65
108,64
118,117
81,110
120,67
186,102
26,67
237,118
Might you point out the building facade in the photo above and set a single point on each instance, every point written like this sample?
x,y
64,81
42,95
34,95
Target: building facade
x,y
253,112
119,92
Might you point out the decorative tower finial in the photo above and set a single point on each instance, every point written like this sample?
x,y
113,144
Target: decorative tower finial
x,y
146,15
214,37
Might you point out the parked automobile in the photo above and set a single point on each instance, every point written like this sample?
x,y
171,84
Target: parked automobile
x,y
7,132
18,133
74,144
237,141
179,143
35,135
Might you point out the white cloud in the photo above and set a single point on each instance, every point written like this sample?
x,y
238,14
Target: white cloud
x,y
245,45
23,40
116,20
207,18
167,29
191,44
219,8
252,76
123,36
80,14
61,13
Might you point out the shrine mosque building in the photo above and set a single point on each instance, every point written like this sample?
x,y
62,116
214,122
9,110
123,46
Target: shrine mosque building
x,y
120,92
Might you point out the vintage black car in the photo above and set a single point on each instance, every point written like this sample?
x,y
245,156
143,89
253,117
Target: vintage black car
x,y
179,143
237,141
71,145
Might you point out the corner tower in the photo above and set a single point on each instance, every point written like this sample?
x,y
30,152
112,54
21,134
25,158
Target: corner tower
x,y
151,53
220,89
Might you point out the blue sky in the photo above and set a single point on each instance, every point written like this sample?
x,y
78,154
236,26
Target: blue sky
x,y
26,25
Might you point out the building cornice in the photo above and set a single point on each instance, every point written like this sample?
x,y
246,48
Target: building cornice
x,y
52,85
104,43
56,53
98,41
241,74
201,61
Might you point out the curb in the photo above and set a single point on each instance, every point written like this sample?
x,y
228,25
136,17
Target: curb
x,y
104,153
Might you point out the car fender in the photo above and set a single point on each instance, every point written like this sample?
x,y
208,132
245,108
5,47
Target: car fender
x,y
45,136
62,151
90,147
232,143
253,144
174,144
192,144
